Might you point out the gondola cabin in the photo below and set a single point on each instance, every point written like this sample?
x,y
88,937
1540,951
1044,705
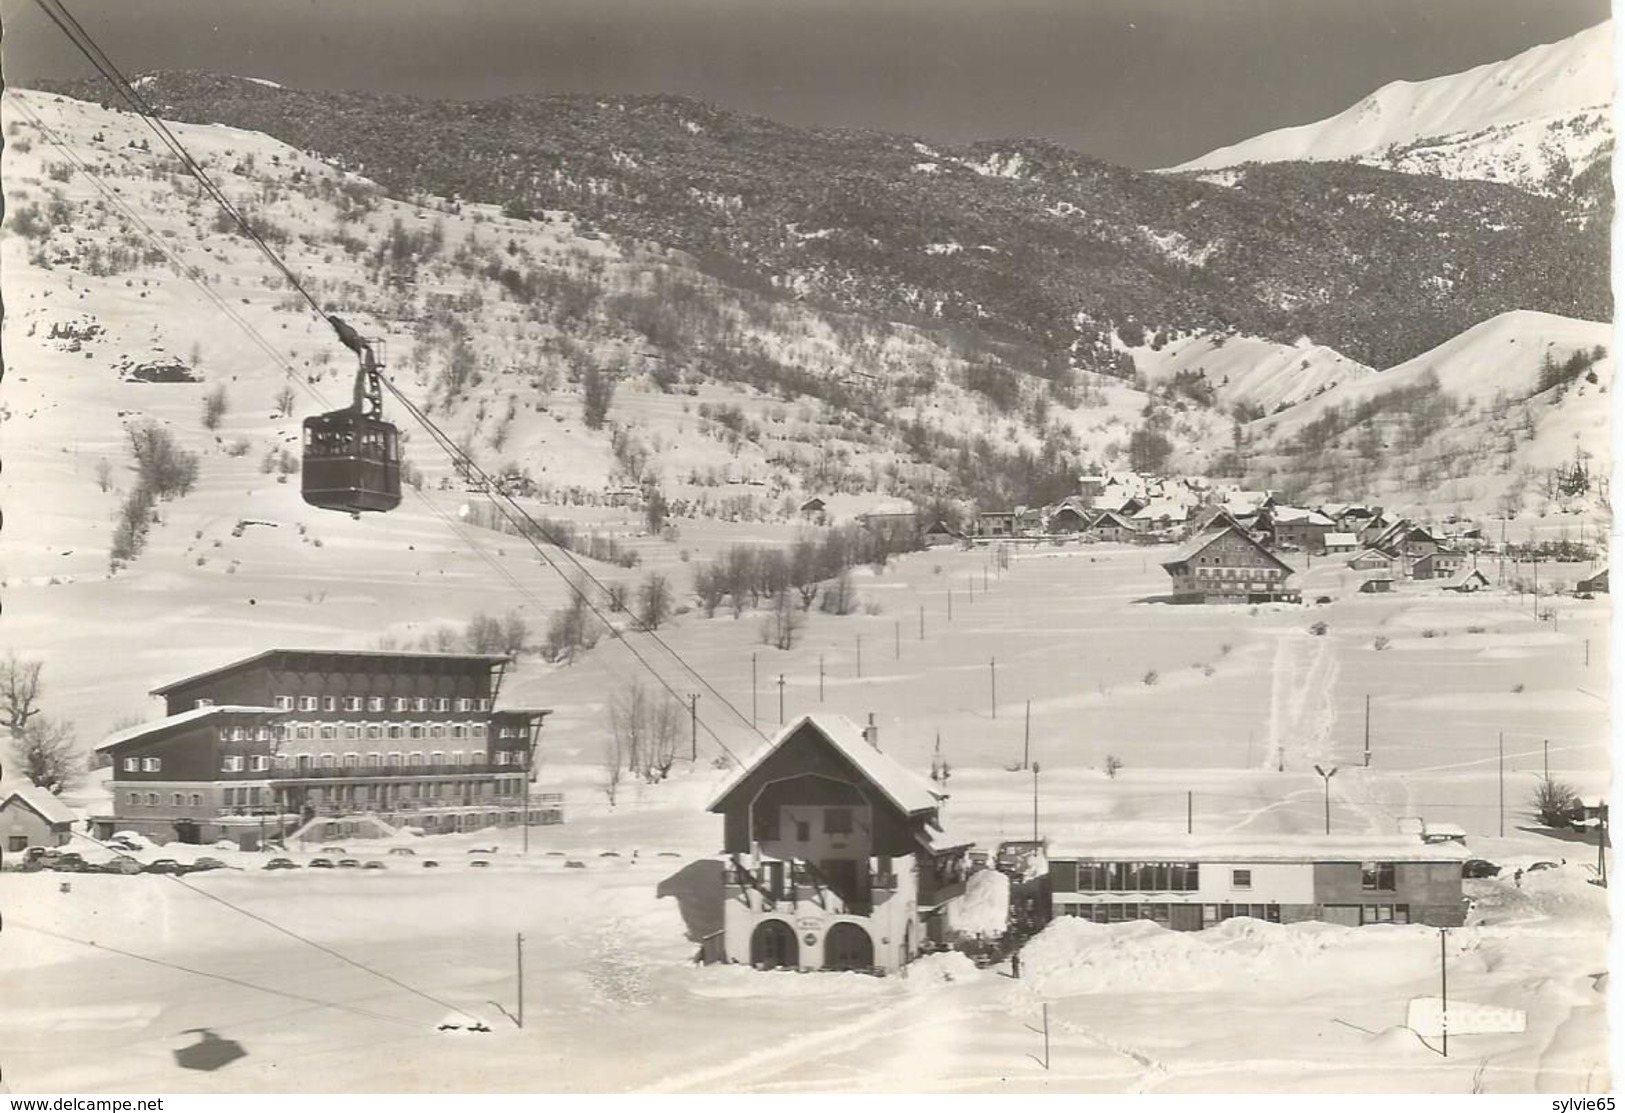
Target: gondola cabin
x,y
352,457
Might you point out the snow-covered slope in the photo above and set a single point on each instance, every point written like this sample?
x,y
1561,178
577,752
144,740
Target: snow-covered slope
x,y
1248,371
1494,115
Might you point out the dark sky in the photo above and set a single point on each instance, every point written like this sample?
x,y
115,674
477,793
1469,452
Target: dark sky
x,y
1141,82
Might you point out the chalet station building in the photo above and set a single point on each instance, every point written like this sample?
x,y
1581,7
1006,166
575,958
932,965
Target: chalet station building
x,y
332,741
836,856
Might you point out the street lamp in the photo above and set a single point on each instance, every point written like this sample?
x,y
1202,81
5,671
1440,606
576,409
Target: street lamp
x,y
1326,775
1035,801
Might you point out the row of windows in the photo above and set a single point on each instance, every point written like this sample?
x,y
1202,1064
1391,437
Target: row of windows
x,y
1238,573
283,731
435,792
176,799
234,763
1120,912
377,703
1143,877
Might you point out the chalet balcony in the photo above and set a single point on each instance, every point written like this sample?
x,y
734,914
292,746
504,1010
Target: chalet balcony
x,y
801,887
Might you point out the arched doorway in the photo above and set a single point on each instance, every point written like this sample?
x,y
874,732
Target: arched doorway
x,y
848,947
773,943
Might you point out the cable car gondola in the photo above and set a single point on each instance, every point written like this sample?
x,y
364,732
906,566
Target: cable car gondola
x,y
352,457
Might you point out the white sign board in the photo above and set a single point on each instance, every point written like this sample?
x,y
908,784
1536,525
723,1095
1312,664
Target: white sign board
x,y
1427,1015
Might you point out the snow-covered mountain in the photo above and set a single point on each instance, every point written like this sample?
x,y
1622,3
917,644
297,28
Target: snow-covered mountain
x,y
1540,116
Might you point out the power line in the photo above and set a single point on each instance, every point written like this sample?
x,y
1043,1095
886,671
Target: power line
x,y
86,44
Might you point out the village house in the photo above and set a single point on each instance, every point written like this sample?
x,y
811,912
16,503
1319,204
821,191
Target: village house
x,y
1379,584
1295,527
1441,564
940,534
31,816
288,738
1374,560
814,510
1188,883
1338,543
1109,525
1469,581
1029,521
1070,515
1228,566
836,858
1594,585
894,519
994,523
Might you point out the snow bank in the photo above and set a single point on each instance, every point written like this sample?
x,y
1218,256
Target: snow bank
x,y
941,969
1073,956
984,909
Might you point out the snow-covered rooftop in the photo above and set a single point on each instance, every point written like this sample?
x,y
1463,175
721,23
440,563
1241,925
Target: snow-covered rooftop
x,y
130,734
906,789
1242,847
50,809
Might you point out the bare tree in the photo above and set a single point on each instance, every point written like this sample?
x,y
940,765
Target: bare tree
x,y
215,405
654,601
782,625
104,475
284,401
19,691
839,596
710,585
614,766
49,754
645,727
1554,801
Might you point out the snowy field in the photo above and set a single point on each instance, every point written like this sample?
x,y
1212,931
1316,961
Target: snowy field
x,y
118,970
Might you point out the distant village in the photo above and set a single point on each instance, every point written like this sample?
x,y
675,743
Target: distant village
x,y
1235,543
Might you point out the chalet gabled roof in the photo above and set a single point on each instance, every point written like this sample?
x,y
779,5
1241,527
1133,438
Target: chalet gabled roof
x,y
907,791
40,802
1195,545
1112,517
351,654
1295,514
170,722
1335,538
1372,552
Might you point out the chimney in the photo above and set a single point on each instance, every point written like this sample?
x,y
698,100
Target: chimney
x,y
871,733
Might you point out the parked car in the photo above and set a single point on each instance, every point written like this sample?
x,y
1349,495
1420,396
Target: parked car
x,y
1540,866
373,864
402,852
118,842
1478,867
165,865
121,865
321,863
208,864
482,850
349,864
479,863
335,851
430,864
69,861
281,864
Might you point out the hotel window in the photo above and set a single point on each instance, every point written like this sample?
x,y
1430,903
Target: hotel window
x,y
197,799
223,734
437,730
375,760
135,798
482,704
351,761
374,730
330,703
463,703
415,758
398,703
328,761
329,731
501,757
395,731
131,764
307,703
394,757
375,703
420,703
1377,876
305,733
837,821
284,703
232,764
459,731
441,703
352,703
262,734
437,758
352,731
1241,879
177,800
259,763
152,799
478,730
414,731
457,757
477,758
152,765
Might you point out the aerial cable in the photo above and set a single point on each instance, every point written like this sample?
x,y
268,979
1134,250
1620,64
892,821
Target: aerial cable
x,y
87,46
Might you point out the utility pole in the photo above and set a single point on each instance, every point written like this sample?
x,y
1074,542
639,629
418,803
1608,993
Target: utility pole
x,y
820,678
1501,778
1444,999
753,689
1546,759
993,686
694,726
519,957
970,589
922,622
860,656
1190,810
1035,801
1027,738
1326,776
1368,730
781,699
